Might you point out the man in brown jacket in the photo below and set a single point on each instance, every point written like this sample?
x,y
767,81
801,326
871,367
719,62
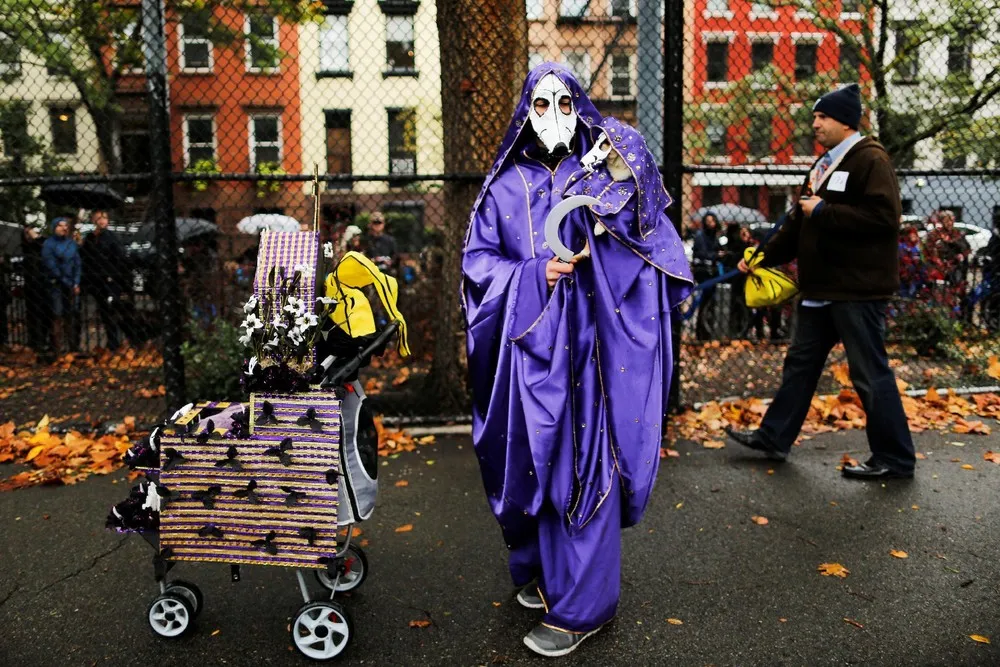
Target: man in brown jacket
x,y
845,235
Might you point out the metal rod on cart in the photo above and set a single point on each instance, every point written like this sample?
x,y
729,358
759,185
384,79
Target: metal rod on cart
x,y
302,586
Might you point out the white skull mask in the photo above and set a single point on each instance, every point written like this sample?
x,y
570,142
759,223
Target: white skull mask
x,y
556,126
598,154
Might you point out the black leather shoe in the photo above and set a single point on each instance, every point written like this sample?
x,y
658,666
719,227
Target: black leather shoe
x,y
874,470
751,440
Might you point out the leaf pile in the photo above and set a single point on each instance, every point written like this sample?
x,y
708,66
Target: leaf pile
x,y
58,459
393,443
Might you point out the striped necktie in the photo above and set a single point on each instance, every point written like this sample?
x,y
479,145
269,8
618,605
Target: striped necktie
x,y
824,164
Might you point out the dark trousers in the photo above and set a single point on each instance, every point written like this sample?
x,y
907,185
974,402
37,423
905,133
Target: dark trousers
x,y
860,325
107,308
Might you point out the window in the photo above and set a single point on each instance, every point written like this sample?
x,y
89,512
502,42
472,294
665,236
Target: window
x,y
338,145
907,53
574,8
535,59
621,75
63,122
761,55
960,53
399,55
760,134
717,57
199,141
135,142
711,195
749,196
535,9
196,47
761,9
803,142
805,61
955,161
850,62
262,42
402,142
265,140
579,64
716,135
14,139
334,48
907,206
717,6
10,56
622,8
53,64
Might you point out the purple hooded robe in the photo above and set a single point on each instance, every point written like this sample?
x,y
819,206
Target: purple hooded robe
x,y
570,386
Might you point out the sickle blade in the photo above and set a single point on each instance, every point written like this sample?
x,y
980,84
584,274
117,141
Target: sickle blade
x,y
555,218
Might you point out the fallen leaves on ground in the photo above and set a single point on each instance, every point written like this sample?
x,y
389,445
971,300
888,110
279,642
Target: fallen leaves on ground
x,y
898,554
839,412
402,482
420,624
396,441
675,621
967,466
759,520
405,528
993,369
853,622
992,456
980,638
833,570
713,444
58,459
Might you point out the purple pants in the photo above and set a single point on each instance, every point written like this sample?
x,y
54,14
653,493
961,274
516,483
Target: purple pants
x,y
579,576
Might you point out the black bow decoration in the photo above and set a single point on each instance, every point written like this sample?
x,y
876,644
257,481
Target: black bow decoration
x,y
208,434
230,460
163,492
331,476
309,419
267,415
207,497
173,458
249,493
210,530
293,496
281,451
309,534
267,544
332,564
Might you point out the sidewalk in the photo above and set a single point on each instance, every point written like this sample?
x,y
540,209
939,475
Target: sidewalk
x,y
746,594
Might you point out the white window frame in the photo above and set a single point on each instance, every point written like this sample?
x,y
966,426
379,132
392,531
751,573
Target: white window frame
x,y
712,13
633,74
539,6
252,139
802,13
771,38
851,16
182,39
586,9
413,28
199,115
276,42
762,13
564,58
323,30
715,37
725,158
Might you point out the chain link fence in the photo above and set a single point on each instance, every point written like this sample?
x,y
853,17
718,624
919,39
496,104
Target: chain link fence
x,y
144,145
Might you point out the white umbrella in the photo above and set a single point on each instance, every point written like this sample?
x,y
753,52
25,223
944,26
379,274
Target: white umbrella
x,y
256,223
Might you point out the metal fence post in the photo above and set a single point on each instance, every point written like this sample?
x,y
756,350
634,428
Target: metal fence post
x,y
167,291
673,136
650,79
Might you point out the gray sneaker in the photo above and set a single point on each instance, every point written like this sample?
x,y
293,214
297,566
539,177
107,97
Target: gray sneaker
x,y
552,643
529,597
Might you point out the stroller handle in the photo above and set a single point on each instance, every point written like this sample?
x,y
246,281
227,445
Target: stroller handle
x,y
349,368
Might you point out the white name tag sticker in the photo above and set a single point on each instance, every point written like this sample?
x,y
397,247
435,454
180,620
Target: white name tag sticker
x,y
838,181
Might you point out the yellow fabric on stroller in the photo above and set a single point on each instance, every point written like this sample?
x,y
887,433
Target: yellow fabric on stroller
x,y
766,287
353,313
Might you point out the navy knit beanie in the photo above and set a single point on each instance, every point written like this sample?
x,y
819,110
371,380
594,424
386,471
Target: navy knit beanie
x,y
843,105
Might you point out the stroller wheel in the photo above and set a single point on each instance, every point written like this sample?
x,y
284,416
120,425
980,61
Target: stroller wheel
x,y
170,615
355,565
189,592
321,630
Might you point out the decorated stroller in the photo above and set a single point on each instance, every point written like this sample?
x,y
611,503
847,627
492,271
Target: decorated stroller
x,y
278,480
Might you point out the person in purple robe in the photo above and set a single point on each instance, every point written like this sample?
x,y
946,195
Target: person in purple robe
x,y
570,363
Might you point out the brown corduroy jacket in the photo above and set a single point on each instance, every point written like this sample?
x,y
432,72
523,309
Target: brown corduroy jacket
x,y
848,250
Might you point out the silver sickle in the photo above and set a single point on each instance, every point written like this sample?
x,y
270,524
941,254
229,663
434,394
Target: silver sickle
x,y
555,218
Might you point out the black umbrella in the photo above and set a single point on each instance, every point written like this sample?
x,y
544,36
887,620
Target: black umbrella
x,y
10,238
82,195
187,229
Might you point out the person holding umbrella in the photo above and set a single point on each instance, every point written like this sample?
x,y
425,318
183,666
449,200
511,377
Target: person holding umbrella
x,y
61,259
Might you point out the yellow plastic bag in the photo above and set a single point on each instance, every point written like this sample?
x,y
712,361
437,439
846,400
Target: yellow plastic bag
x,y
353,313
766,287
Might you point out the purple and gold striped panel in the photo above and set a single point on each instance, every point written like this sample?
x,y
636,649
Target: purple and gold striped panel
x,y
288,408
241,521
288,250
